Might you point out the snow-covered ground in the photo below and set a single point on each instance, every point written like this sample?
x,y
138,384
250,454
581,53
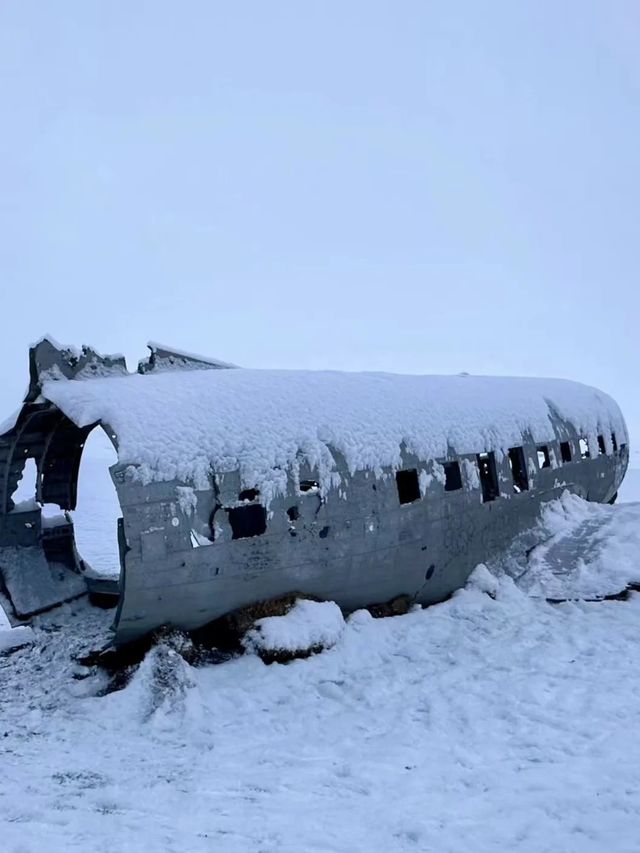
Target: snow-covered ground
x,y
499,723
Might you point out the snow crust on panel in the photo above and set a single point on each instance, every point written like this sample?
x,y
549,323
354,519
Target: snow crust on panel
x,y
439,473
70,348
262,422
307,625
471,474
187,499
424,481
97,369
154,346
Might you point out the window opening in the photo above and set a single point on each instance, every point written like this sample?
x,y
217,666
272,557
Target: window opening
x,y
584,449
543,457
623,447
565,451
293,513
488,476
25,494
309,486
518,469
614,442
601,448
452,476
249,519
408,486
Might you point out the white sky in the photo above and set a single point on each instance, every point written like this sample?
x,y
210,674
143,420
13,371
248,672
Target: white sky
x,y
412,186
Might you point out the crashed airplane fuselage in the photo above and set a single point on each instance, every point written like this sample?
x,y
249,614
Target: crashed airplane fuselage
x,y
238,486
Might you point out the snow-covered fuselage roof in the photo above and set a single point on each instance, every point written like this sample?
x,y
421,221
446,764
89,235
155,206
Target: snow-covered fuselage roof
x,y
184,424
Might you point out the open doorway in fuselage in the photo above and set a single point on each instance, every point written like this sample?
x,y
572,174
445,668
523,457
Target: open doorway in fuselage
x,y
95,519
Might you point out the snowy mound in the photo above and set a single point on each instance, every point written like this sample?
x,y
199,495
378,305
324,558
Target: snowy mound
x,y
262,422
308,626
588,551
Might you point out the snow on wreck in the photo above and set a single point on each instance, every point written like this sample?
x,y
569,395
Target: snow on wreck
x,y
238,485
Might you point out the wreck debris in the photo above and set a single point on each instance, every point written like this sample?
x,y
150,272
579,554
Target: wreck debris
x,y
353,488
165,358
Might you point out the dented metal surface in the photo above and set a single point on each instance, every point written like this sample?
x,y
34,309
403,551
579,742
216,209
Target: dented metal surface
x,y
188,557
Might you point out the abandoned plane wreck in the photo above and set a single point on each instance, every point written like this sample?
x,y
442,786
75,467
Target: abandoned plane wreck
x,y
239,485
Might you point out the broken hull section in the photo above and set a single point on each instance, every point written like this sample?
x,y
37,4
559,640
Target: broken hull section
x,y
414,520
356,547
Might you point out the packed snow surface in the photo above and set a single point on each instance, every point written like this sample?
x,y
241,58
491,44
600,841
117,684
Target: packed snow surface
x,y
307,625
262,422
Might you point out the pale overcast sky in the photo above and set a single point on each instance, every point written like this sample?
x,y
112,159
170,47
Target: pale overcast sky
x,y
406,186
